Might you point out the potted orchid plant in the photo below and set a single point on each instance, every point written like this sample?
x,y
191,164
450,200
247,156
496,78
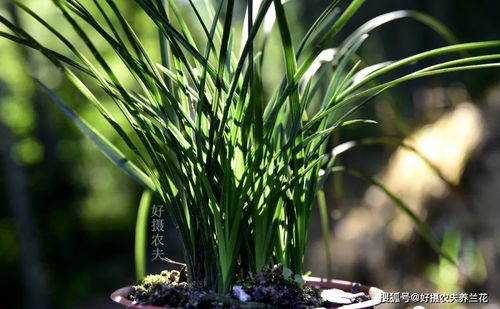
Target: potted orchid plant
x,y
238,168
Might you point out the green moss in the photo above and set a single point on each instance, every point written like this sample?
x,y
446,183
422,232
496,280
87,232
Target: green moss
x,y
153,282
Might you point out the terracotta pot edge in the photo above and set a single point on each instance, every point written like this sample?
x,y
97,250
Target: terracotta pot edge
x,y
375,294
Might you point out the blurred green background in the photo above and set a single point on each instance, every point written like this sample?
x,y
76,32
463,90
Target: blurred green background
x,y
67,214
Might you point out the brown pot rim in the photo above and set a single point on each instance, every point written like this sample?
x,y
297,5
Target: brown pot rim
x,y
120,296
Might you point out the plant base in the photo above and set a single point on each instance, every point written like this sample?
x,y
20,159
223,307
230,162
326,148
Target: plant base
x,y
375,294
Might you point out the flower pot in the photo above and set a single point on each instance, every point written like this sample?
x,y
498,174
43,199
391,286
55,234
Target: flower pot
x,y
120,295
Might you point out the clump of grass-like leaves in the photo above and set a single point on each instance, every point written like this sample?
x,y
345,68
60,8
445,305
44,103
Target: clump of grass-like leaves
x,y
238,170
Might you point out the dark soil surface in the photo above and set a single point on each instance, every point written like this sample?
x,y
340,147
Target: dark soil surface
x,y
270,289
